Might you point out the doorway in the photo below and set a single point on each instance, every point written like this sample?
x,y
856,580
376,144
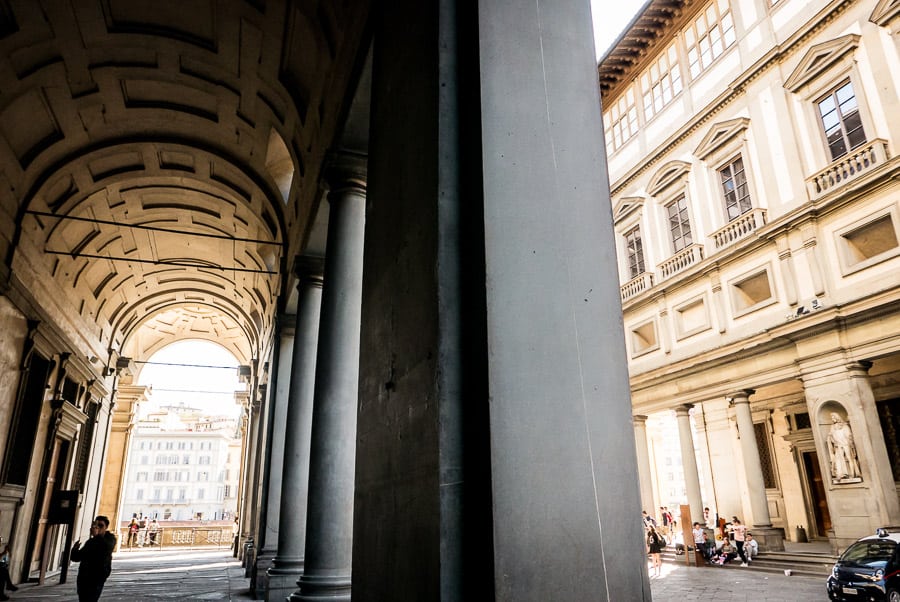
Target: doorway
x,y
818,502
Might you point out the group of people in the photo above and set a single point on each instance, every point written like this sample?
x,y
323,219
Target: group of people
x,y
731,540
142,532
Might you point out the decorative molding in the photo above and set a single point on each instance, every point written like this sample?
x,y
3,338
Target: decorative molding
x,y
885,12
666,175
719,134
626,206
818,58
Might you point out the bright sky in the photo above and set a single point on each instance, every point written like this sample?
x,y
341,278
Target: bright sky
x,y
610,19
210,389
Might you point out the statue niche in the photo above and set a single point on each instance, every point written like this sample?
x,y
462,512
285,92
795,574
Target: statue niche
x,y
844,461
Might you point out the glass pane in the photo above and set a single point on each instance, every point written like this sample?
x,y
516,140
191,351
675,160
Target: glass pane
x,y
845,93
837,146
826,105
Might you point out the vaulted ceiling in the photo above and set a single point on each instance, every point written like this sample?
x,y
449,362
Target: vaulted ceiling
x,y
159,161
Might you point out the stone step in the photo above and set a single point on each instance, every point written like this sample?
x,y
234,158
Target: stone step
x,y
799,563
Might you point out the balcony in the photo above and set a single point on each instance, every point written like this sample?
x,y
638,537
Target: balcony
x,y
739,228
684,259
637,285
847,168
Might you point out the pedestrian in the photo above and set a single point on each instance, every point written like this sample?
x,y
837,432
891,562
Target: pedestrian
x,y
132,533
96,560
654,548
698,533
5,581
740,533
153,532
751,548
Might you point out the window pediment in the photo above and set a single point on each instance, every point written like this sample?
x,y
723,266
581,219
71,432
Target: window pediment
x,y
626,206
885,12
719,134
819,58
666,175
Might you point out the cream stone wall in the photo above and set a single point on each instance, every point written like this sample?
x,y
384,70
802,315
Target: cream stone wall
x,y
699,323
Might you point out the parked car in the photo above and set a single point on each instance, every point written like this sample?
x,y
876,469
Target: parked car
x,y
869,569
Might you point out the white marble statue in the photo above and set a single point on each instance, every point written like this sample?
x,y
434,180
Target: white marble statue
x,y
842,450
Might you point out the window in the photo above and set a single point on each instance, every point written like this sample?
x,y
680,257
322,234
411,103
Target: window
x,y
200,494
840,118
634,251
159,475
142,476
186,459
734,186
661,82
145,459
204,460
708,35
765,455
679,224
227,490
623,120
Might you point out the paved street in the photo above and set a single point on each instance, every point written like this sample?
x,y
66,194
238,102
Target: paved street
x,y
679,582
214,575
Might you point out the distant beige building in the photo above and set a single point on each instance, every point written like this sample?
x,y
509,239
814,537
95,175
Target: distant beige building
x,y
752,158
182,465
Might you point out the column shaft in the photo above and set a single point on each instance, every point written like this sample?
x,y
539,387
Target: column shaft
x,y
288,562
689,462
756,486
643,463
329,542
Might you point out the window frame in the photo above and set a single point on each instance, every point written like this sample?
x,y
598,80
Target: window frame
x,y
823,132
690,30
723,194
642,263
646,89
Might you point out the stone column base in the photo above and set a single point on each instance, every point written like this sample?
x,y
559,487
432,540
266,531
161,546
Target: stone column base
x,y
770,539
281,585
260,572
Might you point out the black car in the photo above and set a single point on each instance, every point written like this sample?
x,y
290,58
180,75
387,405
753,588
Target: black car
x,y
868,570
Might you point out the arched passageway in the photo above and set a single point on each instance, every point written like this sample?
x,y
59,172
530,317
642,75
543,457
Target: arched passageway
x,y
412,277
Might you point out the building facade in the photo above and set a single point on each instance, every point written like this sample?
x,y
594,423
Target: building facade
x,y
753,166
181,467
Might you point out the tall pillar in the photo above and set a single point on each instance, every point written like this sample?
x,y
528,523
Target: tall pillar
x,y
124,419
495,436
768,537
272,477
287,566
643,463
332,457
756,485
689,462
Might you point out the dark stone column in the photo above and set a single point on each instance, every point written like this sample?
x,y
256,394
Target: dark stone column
x,y
329,515
287,566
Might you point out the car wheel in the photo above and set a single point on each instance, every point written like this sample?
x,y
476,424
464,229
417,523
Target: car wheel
x,y
893,595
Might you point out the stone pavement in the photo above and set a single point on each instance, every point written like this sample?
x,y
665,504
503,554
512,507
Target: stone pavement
x,y
679,582
214,575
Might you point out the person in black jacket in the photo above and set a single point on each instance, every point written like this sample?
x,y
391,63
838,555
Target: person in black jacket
x,y
96,560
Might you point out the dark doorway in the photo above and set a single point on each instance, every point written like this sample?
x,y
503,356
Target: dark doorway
x,y
821,516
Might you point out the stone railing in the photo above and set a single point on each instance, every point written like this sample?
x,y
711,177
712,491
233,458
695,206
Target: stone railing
x,y
739,228
848,167
217,536
685,258
637,285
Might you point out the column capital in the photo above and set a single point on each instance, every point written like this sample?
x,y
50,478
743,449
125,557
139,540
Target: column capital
x,y
640,419
683,409
862,366
346,170
309,269
741,396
